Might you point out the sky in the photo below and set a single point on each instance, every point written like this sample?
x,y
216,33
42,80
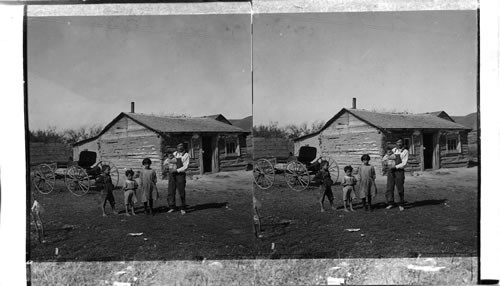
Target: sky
x,y
309,66
84,71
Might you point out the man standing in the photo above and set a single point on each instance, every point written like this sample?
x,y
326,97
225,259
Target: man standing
x,y
179,179
396,175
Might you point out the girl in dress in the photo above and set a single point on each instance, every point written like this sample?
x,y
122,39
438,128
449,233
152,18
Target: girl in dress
x,y
148,186
367,182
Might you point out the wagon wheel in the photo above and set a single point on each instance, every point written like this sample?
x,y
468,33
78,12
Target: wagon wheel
x,y
44,178
333,168
113,172
263,174
297,176
77,180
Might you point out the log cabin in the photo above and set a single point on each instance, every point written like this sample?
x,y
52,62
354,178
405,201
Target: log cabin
x,y
433,140
213,144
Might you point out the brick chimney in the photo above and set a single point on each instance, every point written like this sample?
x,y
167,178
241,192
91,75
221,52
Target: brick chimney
x,y
353,103
132,107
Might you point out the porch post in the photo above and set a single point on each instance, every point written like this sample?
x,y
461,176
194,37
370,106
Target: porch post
x,y
422,150
437,151
200,154
215,155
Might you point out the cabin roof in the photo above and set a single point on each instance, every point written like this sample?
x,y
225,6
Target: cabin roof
x,y
392,121
163,124
405,120
441,114
218,117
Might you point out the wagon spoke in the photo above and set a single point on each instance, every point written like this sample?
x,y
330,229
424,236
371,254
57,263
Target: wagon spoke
x,y
83,186
44,179
77,180
268,181
264,174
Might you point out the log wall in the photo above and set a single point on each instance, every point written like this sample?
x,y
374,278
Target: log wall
x,y
49,153
271,147
231,162
473,143
454,159
249,144
127,143
347,139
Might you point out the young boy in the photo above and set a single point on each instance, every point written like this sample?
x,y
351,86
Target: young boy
x,y
324,179
104,183
129,189
349,181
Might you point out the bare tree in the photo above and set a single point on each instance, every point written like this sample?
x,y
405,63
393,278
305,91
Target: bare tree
x,y
291,131
49,135
85,132
296,130
271,130
317,125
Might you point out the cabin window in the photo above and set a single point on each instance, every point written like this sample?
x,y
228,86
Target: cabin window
x,y
231,147
453,143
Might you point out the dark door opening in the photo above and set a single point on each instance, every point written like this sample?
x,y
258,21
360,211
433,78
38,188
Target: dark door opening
x,y
207,153
428,150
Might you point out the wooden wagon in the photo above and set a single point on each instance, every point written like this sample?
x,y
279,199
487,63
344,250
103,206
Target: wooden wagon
x,y
78,176
297,171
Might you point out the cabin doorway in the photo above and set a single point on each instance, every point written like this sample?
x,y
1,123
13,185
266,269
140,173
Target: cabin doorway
x,y
428,150
207,153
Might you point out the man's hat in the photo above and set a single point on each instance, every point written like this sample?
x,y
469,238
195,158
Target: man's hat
x,y
180,145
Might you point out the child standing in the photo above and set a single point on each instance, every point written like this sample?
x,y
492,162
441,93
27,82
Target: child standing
x,y
389,161
349,181
323,177
129,189
104,183
171,163
366,182
148,186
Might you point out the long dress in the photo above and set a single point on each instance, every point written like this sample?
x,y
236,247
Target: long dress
x,y
366,181
148,185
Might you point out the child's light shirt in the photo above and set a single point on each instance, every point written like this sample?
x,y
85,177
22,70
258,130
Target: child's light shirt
x,y
130,185
183,161
349,181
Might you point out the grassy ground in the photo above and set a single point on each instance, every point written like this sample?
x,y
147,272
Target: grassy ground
x,y
438,228
440,219
218,225
452,271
